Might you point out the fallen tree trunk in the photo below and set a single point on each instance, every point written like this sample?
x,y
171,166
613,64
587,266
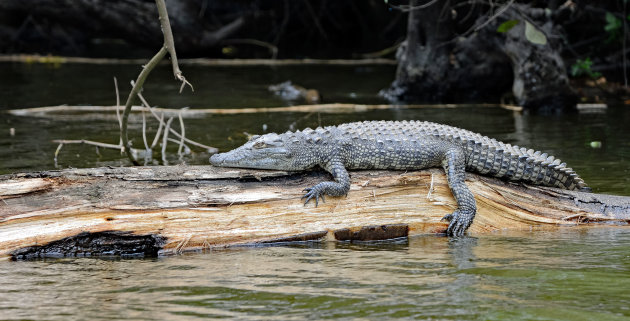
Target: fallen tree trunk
x,y
171,209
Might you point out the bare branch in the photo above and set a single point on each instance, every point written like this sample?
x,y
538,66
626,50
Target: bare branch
x,y
159,131
181,141
133,94
170,44
84,141
165,140
118,109
57,153
497,14
209,149
407,8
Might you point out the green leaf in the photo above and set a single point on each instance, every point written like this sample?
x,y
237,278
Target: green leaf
x,y
613,24
534,35
610,18
506,26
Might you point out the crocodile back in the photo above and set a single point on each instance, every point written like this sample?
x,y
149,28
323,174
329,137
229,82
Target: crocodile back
x,y
484,155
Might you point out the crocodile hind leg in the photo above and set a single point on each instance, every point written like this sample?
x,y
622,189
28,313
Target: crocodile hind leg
x,y
339,187
454,166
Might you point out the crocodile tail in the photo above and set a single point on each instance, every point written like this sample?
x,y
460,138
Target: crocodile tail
x,y
538,168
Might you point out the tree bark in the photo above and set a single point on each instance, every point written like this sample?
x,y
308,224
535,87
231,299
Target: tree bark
x,y
541,83
437,64
132,20
171,209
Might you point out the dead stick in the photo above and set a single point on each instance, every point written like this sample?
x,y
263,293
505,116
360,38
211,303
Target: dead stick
x,y
159,130
132,96
170,44
210,149
118,108
165,140
181,141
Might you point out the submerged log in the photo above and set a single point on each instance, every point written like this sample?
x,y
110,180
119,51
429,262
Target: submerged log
x,y
172,209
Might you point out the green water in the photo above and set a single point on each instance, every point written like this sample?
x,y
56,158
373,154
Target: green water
x,y
569,137
560,275
575,275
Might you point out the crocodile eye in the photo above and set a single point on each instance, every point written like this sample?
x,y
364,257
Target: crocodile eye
x,y
259,145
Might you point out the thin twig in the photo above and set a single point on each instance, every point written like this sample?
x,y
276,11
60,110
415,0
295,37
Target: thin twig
x,y
165,140
407,8
144,131
118,109
170,44
181,141
186,148
84,141
318,23
159,131
148,155
57,153
497,14
174,132
133,94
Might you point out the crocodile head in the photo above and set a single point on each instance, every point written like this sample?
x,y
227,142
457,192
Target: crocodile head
x,y
270,151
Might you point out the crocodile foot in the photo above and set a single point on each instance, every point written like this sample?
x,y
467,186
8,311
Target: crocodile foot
x,y
459,220
313,192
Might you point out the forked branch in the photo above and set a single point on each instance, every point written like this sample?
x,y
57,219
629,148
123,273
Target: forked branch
x,y
169,46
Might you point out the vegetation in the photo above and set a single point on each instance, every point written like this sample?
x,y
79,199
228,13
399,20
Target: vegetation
x,y
448,51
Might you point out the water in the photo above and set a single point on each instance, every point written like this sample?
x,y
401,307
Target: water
x,y
579,274
570,275
569,137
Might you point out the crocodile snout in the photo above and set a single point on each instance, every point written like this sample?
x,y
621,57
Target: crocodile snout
x,y
217,159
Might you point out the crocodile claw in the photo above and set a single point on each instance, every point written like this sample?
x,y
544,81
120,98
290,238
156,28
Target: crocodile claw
x,y
459,220
313,192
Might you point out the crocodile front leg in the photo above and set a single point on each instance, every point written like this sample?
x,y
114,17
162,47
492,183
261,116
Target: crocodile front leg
x,y
339,187
460,220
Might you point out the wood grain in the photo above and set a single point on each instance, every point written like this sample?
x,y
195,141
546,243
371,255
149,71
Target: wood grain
x,y
189,208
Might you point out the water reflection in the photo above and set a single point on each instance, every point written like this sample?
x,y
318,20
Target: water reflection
x,y
561,275
605,167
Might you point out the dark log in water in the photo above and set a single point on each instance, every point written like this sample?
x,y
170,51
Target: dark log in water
x,y
172,209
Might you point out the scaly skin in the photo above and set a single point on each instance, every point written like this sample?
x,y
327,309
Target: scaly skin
x,y
404,145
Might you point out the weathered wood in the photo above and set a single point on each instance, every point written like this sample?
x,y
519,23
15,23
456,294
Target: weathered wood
x,y
25,58
170,209
335,108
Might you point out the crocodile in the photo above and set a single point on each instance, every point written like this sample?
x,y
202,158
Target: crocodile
x,y
401,145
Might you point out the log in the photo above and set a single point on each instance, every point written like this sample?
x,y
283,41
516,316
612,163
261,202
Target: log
x,y
173,209
333,108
